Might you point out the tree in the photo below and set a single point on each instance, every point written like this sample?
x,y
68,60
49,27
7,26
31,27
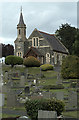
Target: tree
x,y
75,50
66,34
13,60
7,50
70,67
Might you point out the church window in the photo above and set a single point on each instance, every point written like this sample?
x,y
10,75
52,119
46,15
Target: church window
x,y
35,42
19,32
47,58
18,54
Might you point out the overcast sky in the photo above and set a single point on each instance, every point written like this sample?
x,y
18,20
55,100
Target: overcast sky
x,y
45,16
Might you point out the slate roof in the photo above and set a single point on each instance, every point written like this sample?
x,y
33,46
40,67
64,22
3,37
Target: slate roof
x,y
54,42
35,50
21,21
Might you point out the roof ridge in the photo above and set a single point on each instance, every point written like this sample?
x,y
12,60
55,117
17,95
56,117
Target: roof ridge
x,y
46,33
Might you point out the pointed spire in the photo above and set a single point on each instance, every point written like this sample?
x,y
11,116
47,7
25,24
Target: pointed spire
x,y
21,9
21,21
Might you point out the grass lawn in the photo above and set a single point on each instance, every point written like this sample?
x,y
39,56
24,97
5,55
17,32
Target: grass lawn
x,y
72,114
8,115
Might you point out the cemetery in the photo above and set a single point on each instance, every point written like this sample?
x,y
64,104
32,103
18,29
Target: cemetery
x,y
23,83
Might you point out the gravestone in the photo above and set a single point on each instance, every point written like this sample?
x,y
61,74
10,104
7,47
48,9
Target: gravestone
x,y
11,99
26,73
47,94
72,102
59,80
60,95
2,97
47,115
22,81
27,90
6,76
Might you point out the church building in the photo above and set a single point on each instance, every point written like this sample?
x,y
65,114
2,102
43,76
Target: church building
x,y
45,47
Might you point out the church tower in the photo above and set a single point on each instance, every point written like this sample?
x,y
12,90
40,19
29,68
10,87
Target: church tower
x,y
21,40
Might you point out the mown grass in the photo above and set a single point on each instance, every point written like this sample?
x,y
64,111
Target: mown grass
x,y
72,114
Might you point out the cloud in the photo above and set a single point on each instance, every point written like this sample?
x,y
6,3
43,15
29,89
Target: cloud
x,y
43,16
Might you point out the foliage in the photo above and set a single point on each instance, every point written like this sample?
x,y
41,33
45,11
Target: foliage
x,y
75,50
66,34
33,105
13,60
70,67
73,84
46,67
48,87
31,62
7,50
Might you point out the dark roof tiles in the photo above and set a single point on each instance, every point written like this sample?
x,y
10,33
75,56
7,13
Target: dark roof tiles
x,y
54,42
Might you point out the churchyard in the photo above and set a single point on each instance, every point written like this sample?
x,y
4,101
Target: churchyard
x,y
21,83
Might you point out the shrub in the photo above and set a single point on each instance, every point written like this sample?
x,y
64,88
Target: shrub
x,y
13,60
31,62
48,87
70,67
33,105
46,67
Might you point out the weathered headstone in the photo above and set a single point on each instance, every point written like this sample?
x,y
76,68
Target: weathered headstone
x,y
47,94
59,80
72,102
22,81
60,95
2,97
46,114
6,76
27,90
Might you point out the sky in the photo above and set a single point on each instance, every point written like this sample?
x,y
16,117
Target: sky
x,y
45,16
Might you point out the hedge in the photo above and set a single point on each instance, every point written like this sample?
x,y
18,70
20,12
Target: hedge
x,y
33,105
31,62
46,67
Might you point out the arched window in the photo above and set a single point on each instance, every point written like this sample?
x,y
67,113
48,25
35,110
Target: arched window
x,y
19,32
34,42
18,54
47,57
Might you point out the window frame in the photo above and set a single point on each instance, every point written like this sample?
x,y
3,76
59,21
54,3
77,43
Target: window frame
x,y
35,41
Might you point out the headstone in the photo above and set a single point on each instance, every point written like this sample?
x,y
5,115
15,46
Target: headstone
x,y
26,73
22,81
46,114
6,76
27,90
72,102
47,94
59,80
11,99
60,95
1,99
